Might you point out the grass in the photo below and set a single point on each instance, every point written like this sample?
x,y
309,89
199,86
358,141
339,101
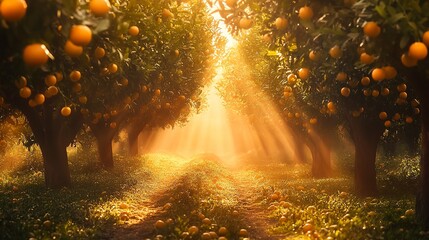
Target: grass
x,y
183,195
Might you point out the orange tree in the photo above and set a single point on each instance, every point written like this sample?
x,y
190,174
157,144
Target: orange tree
x,y
74,62
363,59
324,70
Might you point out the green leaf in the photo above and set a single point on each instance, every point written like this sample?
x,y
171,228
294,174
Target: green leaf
x,y
381,10
102,25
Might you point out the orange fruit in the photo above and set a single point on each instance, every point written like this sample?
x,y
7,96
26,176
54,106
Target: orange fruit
x,y
13,10
365,81
281,23
133,31
345,91
59,76
167,13
75,76
39,99
160,224
83,99
73,50
113,68
390,72
305,13
401,87
378,74
335,52
313,56
99,53
52,91
382,115
32,103
396,117
157,92
206,221
367,92
243,233
35,55
25,92
418,50
113,125
80,35
50,80
371,29
313,120
99,7
387,123
375,93
365,58
403,95
193,230
245,23
307,227
21,82
77,87
66,111
331,106
341,76
223,231
425,38
385,92
124,82
304,73
409,120
408,61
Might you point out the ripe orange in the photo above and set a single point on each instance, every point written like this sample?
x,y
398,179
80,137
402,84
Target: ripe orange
x,y
378,74
35,55
418,50
365,58
113,125
80,35
307,227
371,29
160,224
267,38
403,95
157,92
21,82
193,230
124,82
335,52
382,115
25,92
50,80
77,87
367,92
99,7
331,106
390,71
39,99
223,231
401,87
52,91
73,50
245,23
313,56
425,38
365,81
66,111
305,13
345,91
113,68
206,221
281,23
313,120
133,31
396,116
341,76
387,123
59,76
409,120
375,93
83,99
304,73
243,233
99,52
75,76
167,13
408,61
32,103
385,92
13,10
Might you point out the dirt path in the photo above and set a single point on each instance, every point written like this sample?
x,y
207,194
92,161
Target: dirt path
x,y
244,190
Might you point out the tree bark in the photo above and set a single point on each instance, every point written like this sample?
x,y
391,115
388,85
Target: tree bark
x,y
104,136
53,133
133,142
422,201
366,135
321,154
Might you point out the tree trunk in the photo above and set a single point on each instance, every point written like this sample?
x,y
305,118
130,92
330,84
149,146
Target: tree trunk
x,y
298,145
104,137
133,142
422,202
53,133
321,154
366,135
